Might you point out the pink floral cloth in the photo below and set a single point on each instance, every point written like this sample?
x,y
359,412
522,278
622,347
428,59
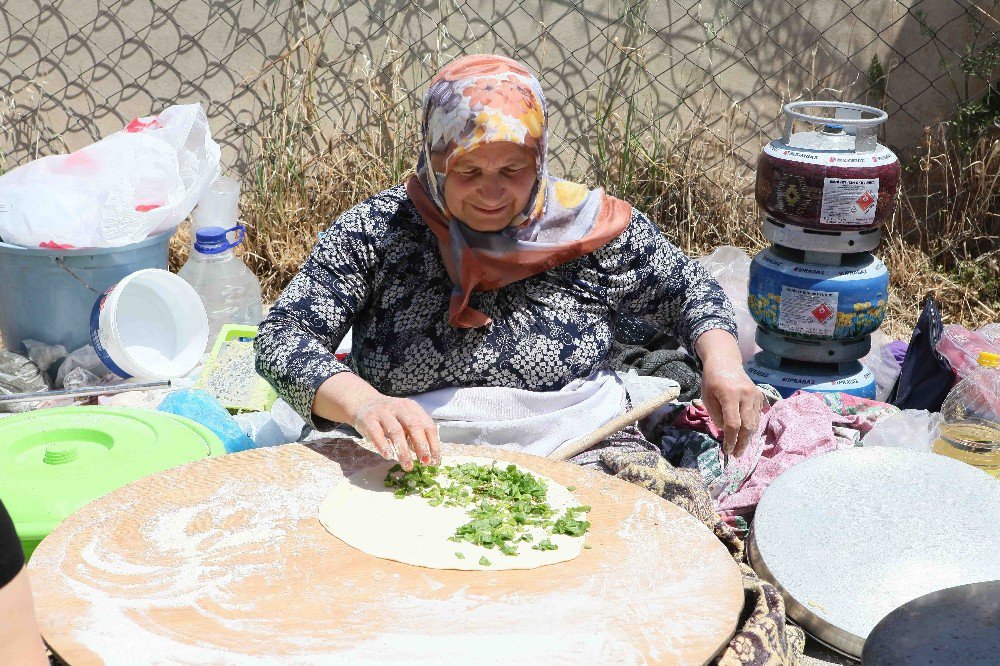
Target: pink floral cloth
x,y
794,429
695,417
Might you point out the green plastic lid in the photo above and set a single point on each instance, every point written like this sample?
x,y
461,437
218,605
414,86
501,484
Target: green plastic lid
x,y
212,441
53,461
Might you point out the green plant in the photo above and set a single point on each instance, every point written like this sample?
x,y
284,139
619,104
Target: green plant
x,y
877,82
977,112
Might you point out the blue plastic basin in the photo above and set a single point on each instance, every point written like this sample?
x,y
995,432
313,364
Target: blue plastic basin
x,y
47,295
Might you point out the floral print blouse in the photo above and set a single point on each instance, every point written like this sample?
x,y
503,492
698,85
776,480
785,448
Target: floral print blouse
x,y
378,269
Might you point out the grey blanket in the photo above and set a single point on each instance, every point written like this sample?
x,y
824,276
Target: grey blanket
x,y
659,356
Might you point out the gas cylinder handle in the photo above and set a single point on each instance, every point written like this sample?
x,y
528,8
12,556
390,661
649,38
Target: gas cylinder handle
x,y
864,128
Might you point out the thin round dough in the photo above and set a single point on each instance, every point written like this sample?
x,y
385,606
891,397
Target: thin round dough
x,y
366,515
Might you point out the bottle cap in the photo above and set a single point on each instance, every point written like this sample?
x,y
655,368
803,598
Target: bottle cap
x,y
213,240
989,360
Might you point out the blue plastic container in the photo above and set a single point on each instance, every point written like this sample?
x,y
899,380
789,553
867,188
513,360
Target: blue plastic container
x,y
47,295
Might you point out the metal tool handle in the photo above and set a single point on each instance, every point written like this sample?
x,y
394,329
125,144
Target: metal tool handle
x,y
570,449
86,391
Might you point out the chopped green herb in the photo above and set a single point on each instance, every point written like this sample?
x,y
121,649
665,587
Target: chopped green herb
x,y
502,503
571,488
568,524
460,556
545,544
586,547
485,562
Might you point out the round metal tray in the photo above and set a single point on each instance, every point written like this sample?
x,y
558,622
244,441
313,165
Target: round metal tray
x,y
960,625
849,536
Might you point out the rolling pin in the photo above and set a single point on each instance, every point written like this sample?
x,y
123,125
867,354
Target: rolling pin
x,y
570,449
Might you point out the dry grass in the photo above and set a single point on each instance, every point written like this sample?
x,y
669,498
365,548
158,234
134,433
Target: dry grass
x,y
692,180
942,241
945,240
305,173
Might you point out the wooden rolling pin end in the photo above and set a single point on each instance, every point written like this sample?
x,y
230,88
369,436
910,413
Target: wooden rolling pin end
x,y
577,446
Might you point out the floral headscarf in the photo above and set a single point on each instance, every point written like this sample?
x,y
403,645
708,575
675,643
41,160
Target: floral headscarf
x,y
476,100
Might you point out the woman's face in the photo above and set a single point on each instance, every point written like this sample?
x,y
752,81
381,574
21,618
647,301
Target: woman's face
x,y
488,186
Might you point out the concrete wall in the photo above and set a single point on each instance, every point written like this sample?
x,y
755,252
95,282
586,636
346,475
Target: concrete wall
x,y
75,70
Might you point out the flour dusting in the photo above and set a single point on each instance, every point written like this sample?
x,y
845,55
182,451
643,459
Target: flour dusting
x,y
237,517
247,575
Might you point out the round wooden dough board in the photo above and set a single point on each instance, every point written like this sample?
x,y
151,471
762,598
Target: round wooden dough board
x,y
224,560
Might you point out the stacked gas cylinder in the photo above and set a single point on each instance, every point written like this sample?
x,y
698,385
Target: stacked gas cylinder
x,y
818,293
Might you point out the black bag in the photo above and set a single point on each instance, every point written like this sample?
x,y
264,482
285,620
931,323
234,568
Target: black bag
x,y
926,376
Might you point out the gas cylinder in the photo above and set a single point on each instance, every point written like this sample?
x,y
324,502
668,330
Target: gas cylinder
x,y
835,176
815,301
788,376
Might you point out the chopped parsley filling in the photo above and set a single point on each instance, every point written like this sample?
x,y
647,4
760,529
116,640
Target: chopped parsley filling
x,y
502,503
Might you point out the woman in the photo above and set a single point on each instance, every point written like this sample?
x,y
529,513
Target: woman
x,y
484,270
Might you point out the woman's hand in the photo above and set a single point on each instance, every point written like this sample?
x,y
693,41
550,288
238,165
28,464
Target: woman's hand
x,y
399,428
733,401
396,426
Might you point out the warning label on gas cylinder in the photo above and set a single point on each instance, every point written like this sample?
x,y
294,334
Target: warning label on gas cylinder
x,y
849,201
807,312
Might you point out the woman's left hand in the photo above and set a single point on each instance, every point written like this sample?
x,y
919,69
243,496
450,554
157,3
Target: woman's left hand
x,y
733,401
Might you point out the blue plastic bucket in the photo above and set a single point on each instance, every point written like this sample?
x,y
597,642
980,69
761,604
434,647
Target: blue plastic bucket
x,y
47,295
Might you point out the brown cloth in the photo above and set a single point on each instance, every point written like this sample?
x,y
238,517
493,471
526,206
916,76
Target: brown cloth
x,y
763,636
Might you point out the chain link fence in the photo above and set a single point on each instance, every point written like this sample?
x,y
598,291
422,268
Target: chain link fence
x,y
75,70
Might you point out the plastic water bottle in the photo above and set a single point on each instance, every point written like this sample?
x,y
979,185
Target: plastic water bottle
x,y
218,207
970,428
229,290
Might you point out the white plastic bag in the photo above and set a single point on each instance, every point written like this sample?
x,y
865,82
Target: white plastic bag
x,y
731,267
883,365
910,429
962,347
84,358
991,332
140,181
79,377
19,375
282,425
45,356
